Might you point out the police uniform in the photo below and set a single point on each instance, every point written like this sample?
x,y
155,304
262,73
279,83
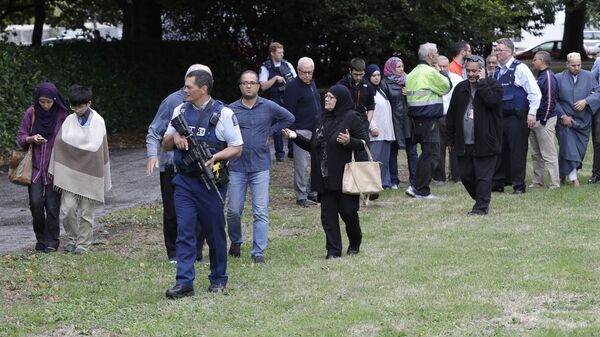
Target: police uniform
x,y
268,70
521,97
218,127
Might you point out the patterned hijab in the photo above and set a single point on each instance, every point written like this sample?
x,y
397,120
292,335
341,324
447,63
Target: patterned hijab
x,y
389,71
45,121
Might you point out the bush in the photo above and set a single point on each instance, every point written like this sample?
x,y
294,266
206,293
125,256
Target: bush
x,y
129,79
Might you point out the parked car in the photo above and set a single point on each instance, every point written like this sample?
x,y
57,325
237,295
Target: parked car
x,y
553,47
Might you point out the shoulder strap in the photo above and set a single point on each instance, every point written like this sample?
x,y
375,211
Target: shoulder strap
x,y
203,113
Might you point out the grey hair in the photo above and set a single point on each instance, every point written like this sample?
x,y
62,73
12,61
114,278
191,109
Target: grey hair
x,y
508,43
307,61
197,66
477,59
442,57
425,50
544,56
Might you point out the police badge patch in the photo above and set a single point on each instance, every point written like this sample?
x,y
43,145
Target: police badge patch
x,y
234,120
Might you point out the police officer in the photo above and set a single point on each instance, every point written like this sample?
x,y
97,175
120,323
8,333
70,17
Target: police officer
x,y
209,121
520,102
275,73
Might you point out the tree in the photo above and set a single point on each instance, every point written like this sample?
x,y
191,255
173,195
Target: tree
x,y
575,13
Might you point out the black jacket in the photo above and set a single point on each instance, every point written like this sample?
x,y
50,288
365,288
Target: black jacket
x,y
337,154
487,107
363,94
400,119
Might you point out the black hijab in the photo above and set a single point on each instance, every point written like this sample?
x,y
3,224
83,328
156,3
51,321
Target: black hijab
x,y
45,121
343,104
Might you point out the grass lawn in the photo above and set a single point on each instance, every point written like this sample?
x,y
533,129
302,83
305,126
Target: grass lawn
x,y
529,268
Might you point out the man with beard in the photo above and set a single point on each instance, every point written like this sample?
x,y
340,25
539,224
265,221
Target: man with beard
x,y
474,125
258,118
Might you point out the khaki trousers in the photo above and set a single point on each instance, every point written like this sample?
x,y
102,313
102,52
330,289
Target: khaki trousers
x,y
543,152
78,233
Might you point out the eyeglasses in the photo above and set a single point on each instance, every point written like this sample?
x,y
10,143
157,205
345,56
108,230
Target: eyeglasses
x,y
499,50
305,72
245,83
329,96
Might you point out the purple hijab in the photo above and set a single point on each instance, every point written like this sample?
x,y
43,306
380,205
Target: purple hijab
x,y
45,121
389,71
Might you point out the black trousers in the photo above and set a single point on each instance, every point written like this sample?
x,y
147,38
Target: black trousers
x,y
170,218
596,142
476,174
332,204
510,167
426,133
44,203
439,174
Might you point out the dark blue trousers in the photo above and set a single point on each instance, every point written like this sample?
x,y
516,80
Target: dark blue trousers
x,y
195,203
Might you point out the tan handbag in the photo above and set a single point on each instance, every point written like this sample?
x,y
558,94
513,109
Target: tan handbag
x,y
20,169
362,177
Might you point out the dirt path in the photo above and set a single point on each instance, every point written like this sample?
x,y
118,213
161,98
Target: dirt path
x,y
130,187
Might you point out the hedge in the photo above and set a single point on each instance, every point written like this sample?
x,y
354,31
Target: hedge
x,y
129,79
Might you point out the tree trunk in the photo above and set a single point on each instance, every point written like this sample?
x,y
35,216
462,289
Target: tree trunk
x,y
574,25
38,25
141,20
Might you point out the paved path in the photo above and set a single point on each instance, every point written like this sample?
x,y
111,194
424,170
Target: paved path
x,y
131,187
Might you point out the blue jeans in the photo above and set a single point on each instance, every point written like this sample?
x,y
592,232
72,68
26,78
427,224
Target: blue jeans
x,y
259,188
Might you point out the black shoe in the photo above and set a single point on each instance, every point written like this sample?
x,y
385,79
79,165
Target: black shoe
x,y
279,159
216,288
49,250
179,291
258,259
290,155
40,246
374,196
499,189
518,192
302,203
476,212
331,256
593,179
352,251
312,198
234,250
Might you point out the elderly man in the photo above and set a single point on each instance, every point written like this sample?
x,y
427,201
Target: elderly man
x,y
303,101
491,63
520,103
425,86
274,75
475,131
541,137
258,118
439,174
163,160
577,100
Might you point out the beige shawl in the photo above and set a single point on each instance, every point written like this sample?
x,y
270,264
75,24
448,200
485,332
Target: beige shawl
x,y
79,159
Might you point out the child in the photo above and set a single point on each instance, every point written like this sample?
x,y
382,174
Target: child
x,y
81,168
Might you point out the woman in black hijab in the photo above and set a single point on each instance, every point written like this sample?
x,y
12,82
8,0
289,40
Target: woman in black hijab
x,y
337,132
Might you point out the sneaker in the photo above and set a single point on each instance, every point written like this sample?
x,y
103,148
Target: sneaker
x,y
258,259
394,187
173,260
411,192
69,248
536,185
428,196
80,250
234,250
216,288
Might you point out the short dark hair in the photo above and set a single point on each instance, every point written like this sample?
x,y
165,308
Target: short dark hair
x,y
249,72
357,64
79,94
544,56
508,43
459,46
201,78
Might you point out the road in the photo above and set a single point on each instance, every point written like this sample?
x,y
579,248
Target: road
x,y
131,187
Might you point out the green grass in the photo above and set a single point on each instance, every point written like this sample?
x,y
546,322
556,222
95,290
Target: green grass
x,y
529,268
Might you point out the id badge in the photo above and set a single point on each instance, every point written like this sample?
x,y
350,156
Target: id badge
x,y
470,114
